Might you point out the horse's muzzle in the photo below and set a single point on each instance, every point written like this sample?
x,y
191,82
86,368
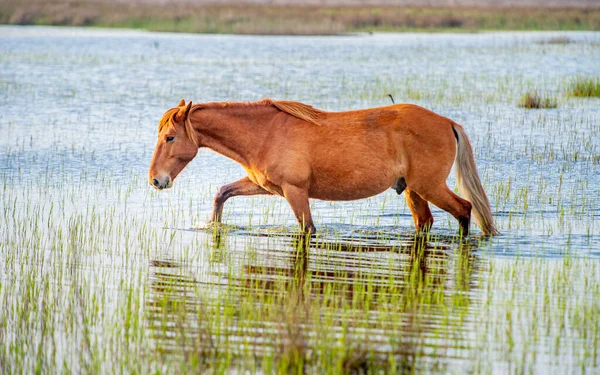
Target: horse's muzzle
x,y
161,183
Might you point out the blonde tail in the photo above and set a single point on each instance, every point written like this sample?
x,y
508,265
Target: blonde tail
x,y
469,183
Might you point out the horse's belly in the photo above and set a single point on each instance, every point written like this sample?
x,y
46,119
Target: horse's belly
x,y
355,185
332,195
355,173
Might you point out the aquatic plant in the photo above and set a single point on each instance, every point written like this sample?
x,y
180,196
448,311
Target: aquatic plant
x,y
584,87
532,100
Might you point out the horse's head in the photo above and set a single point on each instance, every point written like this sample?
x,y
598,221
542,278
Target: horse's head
x,y
174,148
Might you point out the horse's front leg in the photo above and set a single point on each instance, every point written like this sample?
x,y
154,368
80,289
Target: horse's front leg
x,y
297,197
241,187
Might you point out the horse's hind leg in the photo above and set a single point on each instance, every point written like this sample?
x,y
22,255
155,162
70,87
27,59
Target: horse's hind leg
x,y
420,210
241,187
445,199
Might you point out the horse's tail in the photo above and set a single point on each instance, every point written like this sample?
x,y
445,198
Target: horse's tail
x,y
469,183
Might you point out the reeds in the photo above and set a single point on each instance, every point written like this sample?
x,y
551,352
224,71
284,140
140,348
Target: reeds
x,y
533,100
584,87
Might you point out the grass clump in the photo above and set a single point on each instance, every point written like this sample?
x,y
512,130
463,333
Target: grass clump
x,y
585,87
533,100
557,40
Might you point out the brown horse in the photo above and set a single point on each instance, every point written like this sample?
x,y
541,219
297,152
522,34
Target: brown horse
x,y
298,152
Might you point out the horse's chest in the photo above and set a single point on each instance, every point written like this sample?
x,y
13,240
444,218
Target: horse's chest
x,y
261,180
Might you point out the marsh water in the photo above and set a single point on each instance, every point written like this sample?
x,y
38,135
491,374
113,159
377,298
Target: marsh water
x,y
101,273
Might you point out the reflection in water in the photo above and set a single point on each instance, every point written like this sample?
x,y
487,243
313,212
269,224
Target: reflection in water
x,y
398,299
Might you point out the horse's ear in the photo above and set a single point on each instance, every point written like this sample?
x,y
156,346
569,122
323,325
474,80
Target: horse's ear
x,y
181,103
183,112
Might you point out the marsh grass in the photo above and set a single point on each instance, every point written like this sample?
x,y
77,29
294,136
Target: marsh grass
x,y
558,40
533,100
371,303
292,19
584,87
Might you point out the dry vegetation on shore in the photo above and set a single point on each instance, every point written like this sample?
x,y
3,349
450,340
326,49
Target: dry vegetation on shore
x,y
239,18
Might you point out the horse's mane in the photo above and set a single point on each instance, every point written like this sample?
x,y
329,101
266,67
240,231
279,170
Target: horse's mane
x,y
299,110
165,121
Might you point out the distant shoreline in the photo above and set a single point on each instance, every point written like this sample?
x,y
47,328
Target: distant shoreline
x,y
297,18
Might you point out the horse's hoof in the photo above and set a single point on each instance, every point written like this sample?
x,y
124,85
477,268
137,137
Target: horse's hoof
x,y
204,225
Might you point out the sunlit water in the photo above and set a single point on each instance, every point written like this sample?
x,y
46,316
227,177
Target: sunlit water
x,y
79,111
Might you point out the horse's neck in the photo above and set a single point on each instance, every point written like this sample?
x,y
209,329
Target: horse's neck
x,y
235,132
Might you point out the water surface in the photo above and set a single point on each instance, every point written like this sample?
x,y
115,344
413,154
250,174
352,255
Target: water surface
x,y
102,273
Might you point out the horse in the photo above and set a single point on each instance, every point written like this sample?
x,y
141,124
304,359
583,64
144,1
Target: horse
x,y
298,152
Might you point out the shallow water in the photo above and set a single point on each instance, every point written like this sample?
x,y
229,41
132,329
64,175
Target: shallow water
x,y
92,255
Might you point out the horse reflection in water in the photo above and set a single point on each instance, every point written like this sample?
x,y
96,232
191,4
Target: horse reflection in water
x,y
298,152
393,296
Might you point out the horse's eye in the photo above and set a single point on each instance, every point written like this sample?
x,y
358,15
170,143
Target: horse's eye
x,y
170,139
